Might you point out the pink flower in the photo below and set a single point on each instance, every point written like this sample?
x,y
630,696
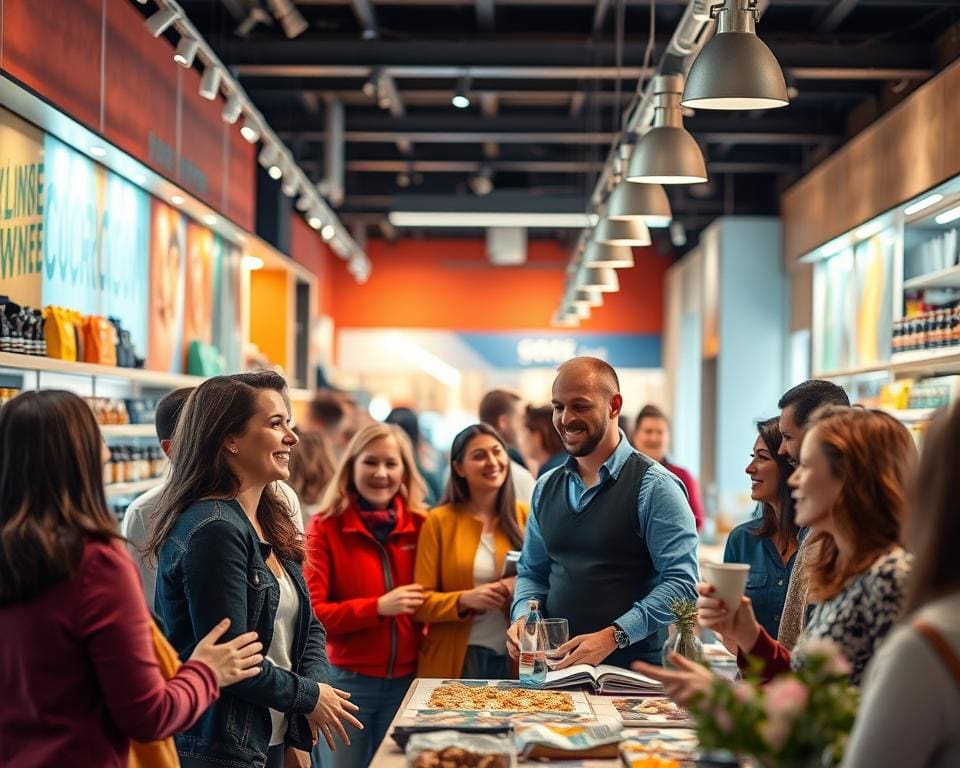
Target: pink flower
x,y
775,732
835,663
785,697
744,693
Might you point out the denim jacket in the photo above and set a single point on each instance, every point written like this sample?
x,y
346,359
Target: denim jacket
x,y
212,565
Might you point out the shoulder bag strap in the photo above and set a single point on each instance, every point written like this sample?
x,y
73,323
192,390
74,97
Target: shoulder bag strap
x,y
941,646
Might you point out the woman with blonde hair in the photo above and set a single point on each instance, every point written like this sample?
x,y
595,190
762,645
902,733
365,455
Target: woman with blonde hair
x,y
360,558
460,561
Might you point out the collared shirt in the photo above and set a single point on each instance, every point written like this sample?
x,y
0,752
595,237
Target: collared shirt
x,y
665,521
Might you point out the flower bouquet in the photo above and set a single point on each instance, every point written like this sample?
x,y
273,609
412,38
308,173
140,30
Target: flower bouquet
x,y
801,718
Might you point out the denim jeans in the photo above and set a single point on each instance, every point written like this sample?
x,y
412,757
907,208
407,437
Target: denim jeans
x,y
378,699
484,664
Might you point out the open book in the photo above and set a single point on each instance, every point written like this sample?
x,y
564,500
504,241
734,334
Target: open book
x,y
603,678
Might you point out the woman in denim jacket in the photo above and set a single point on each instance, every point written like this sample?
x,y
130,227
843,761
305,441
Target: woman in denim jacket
x,y
226,546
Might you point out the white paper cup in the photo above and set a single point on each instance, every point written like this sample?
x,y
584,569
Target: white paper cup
x,y
729,580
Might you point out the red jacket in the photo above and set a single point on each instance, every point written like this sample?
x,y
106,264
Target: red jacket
x,y
347,569
693,492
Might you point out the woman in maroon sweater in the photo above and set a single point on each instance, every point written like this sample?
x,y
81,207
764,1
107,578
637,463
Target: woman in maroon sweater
x,y
78,670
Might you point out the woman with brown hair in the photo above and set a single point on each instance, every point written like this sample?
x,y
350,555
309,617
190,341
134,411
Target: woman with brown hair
x,y
910,710
226,545
311,468
360,553
540,444
850,490
460,561
79,673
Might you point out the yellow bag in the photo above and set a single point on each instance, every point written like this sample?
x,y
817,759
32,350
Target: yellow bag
x,y
60,333
158,754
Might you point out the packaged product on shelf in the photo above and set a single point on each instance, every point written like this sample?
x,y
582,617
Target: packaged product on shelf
x,y
6,395
60,331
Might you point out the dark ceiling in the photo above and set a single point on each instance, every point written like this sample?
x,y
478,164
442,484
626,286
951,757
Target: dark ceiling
x,y
544,87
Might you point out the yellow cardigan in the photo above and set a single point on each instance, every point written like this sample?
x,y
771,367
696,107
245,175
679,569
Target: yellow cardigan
x,y
445,555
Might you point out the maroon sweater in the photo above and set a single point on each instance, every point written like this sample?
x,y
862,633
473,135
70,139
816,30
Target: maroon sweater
x,y
79,676
693,492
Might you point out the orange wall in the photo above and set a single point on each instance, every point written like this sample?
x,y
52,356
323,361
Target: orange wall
x,y
269,313
451,284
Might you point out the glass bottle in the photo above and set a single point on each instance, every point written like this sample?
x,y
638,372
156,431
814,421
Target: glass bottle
x,y
533,658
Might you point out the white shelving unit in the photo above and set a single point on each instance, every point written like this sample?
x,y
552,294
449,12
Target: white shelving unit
x,y
913,415
945,278
926,361
132,489
41,365
128,430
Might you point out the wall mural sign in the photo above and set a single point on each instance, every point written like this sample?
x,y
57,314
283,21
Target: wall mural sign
x,y
548,350
22,178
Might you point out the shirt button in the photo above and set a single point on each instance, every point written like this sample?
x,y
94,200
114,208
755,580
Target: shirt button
x,y
780,583
777,617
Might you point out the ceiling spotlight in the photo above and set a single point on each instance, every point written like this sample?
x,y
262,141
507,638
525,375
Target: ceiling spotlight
x,y
481,183
304,202
275,172
736,69
327,232
232,109
251,262
209,219
269,158
403,179
315,218
631,232
678,234
613,256
98,151
177,199
186,51
603,279
210,83
290,182
371,85
646,202
667,154
250,131
289,17
161,20
461,99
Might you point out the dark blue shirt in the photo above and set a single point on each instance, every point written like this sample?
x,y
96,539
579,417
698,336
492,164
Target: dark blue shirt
x,y
768,578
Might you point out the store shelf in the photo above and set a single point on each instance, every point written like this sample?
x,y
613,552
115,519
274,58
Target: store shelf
x,y
921,361
132,489
912,415
128,430
299,395
945,278
51,365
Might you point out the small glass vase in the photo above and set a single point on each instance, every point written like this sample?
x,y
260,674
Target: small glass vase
x,y
685,643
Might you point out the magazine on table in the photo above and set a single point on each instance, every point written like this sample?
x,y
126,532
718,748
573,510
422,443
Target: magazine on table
x,y
604,678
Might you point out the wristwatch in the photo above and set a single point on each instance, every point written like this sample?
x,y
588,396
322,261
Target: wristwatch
x,y
621,637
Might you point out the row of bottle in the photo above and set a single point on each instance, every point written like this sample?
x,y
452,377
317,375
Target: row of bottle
x,y
6,395
132,463
931,329
114,410
21,329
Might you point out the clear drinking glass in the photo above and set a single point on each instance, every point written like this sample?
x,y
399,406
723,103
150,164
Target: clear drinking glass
x,y
555,632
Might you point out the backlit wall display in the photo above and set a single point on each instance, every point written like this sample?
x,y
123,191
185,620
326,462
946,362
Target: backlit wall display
x,y
168,247
96,241
228,303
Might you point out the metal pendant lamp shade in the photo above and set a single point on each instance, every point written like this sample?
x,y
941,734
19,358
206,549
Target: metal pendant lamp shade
x,y
632,232
613,256
646,202
667,154
736,69
603,279
589,296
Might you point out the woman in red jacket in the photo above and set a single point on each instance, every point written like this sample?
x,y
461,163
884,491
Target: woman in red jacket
x,y
361,549
78,671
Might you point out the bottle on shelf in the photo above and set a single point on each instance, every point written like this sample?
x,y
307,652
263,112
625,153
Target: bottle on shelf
x,y
533,658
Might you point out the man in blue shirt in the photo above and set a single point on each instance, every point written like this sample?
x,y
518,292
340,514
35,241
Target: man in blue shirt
x,y
611,540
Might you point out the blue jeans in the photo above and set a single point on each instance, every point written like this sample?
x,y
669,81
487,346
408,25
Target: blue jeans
x,y
484,664
378,699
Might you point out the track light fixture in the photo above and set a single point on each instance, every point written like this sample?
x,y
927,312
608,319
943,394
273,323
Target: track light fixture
x,y
461,99
667,154
210,83
186,51
250,131
327,232
315,218
291,184
161,21
736,69
232,109
304,202
269,159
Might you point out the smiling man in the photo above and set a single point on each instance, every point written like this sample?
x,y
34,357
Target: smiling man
x,y
610,541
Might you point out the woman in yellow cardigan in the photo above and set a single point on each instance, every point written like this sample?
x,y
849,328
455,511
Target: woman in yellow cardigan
x,y
460,558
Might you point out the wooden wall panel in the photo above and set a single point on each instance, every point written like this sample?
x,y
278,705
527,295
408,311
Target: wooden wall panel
x,y
54,48
140,90
241,179
951,121
863,160
201,142
834,188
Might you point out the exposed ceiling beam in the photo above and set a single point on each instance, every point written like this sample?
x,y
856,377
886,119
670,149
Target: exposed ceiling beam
x,y
831,18
489,107
533,166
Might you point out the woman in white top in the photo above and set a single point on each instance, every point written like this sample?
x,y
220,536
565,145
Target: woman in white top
x,y
460,560
910,711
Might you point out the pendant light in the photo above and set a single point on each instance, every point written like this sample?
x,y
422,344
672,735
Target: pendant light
x,y
603,255
667,154
603,279
565,319
589,296
736,69
646,202
631,232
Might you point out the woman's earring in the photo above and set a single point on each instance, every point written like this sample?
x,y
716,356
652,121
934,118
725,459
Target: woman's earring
x,y
234,450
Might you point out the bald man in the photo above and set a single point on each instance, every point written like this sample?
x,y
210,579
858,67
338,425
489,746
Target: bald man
x,y
611,540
